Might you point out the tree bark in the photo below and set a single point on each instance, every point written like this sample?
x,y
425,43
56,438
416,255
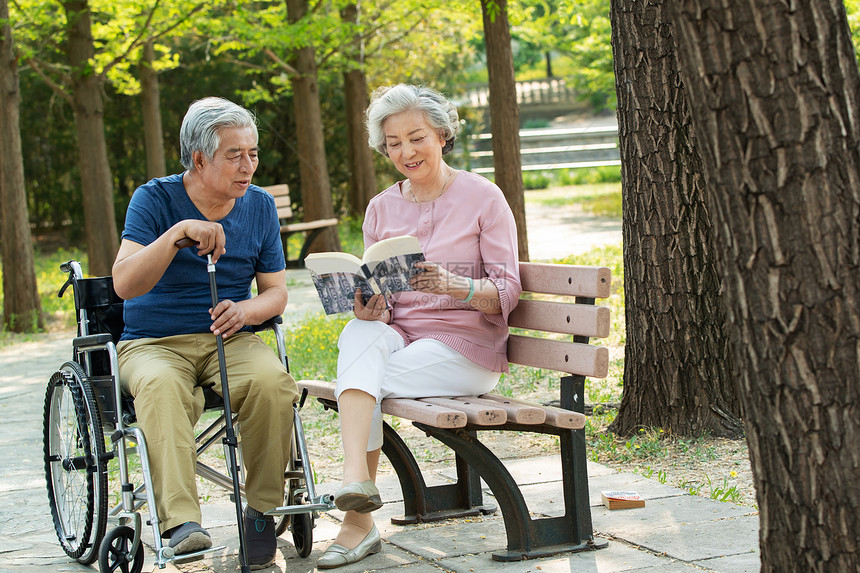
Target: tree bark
x,y
773,89
676,375
504,114
313,170
96,180
362,172
150,100
22,309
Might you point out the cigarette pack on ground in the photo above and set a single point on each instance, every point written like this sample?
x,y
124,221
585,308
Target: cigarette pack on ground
x,y
621,499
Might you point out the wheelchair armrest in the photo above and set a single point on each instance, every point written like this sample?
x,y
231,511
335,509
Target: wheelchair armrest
x,y
269,324
92,340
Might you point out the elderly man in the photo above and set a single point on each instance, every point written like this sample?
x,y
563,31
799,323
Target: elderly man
x,y
168,350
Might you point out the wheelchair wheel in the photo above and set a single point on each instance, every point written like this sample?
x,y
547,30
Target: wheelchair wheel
x,y
115,553
75,463
303,533
302,526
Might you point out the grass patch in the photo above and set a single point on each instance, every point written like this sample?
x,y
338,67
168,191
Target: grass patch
x,y
599,199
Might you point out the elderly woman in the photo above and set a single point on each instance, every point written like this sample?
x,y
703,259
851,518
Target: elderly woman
x,y
448,336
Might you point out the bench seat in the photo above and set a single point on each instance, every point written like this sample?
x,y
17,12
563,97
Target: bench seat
x,y
486,410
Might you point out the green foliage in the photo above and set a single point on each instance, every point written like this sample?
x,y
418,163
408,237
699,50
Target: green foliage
x,y
582,177
579,30
535,180
589,175
58,312
852,7
312,346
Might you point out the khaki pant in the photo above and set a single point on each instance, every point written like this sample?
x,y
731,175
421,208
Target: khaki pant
x,y
166,377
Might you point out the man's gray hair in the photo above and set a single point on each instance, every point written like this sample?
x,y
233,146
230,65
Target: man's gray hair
x,y
386,101
203,123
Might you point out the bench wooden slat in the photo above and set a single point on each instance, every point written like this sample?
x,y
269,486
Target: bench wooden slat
x,y
519,412
318,388
558,417
424,412
562,317
558,355
570,280
477,414
308,226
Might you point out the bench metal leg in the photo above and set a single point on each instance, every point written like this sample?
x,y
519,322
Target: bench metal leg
x,y
528,538
434,503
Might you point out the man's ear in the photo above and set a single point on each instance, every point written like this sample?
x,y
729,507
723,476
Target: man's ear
x,y
198,160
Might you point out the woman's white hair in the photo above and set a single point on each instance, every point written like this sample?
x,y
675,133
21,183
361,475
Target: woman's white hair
x,y
386,101
202,125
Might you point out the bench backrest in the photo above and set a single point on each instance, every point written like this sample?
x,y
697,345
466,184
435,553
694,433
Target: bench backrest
x,y
570,318
281,193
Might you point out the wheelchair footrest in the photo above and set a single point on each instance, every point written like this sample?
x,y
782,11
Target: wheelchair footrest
x,y
186,556
324,503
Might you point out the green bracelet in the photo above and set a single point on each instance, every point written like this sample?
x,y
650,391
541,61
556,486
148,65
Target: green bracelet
x,y
471,290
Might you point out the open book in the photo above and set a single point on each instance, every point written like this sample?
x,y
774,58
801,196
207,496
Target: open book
x,y
385,269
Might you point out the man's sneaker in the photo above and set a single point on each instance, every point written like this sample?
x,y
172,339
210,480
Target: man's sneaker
x,y
189,537
260,540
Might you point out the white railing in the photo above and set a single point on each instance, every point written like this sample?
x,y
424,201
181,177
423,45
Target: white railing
x,y
552,148
553,91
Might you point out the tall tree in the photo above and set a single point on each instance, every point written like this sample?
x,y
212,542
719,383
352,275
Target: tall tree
x,y
22,310
676,375
151,104
504,114
78,59
316,188
96,179
773,89
362,173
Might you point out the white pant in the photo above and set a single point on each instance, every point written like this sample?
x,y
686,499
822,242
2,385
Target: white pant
x,y
373,358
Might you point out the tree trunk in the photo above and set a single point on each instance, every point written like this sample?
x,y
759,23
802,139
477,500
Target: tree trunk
x,y
96,180
313,170
362,172
150,100
504,114
22,309
676,375
773,90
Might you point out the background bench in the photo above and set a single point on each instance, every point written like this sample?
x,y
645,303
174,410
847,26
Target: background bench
x,y
281,193
570,319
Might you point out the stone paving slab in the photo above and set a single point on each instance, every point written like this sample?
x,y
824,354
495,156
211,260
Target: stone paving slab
x,y
616,557
742,563
698,541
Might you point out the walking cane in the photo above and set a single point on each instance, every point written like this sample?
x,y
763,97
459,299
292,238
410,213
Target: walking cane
x,y
230,438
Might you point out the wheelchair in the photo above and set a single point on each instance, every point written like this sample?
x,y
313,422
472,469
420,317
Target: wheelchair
x,y
88,422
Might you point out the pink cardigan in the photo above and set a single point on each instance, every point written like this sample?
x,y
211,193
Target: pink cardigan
x,y
469,230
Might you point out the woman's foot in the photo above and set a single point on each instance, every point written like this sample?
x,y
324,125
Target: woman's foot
x,y
357,539
362,497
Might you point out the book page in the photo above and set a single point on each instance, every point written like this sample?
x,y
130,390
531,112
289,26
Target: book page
x,y
327,263
387,248
392,274
337,290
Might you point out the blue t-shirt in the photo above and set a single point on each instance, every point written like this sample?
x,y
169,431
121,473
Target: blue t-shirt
x,y
179,303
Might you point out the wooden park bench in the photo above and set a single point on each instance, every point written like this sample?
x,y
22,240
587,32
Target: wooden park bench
x,y
281,193
566,322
